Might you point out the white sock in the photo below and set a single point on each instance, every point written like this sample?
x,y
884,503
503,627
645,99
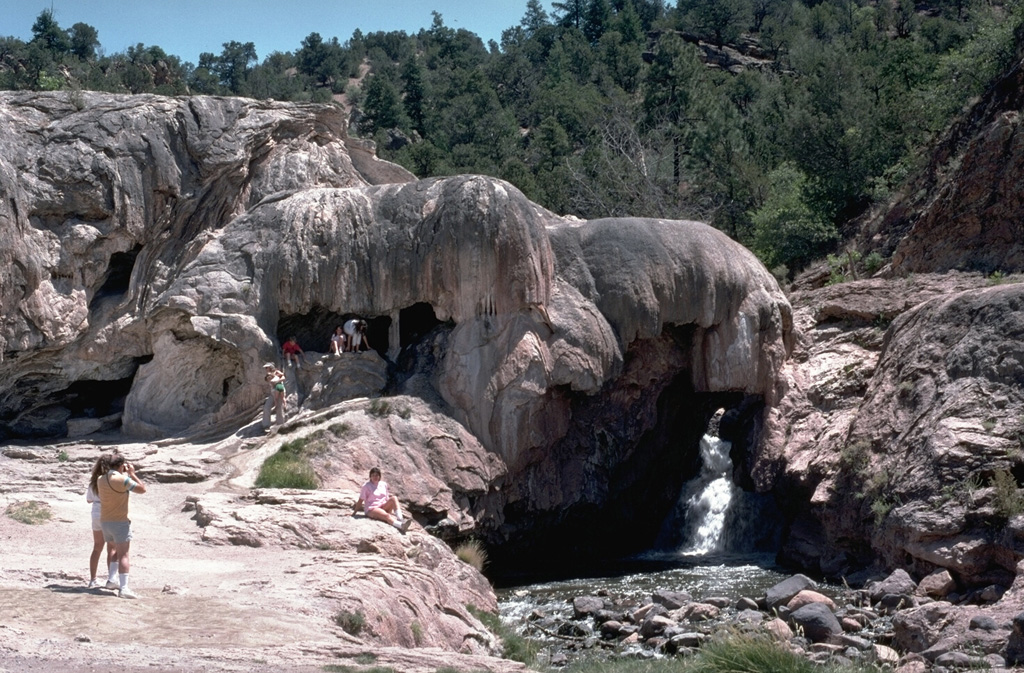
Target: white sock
x,y
397,524
112,572
123,577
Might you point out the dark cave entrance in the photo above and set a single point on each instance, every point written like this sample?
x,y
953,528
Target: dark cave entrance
x,y
313,330
415,322
118,278
620,478
84,399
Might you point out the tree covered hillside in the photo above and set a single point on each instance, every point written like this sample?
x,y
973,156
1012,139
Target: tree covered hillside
x,y
774,120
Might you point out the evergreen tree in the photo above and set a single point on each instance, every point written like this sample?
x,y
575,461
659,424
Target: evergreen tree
x,y
49,35
535,17
597,19
232,66
382,107
571,13
415,94
83,41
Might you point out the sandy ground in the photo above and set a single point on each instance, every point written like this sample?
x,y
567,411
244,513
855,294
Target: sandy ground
x,y
201,607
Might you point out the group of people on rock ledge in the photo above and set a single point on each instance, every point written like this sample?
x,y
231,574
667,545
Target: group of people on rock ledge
x,y
350,337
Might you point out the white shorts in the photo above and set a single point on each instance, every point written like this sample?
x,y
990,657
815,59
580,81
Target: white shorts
x,y
96,523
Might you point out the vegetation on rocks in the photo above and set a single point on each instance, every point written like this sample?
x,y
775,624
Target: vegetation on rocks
x,y
472,552
32,512
729,654
515,646
290,466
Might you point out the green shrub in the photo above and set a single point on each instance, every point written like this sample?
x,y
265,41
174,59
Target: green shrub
x,y
746,654
855,457
417,633
1006,499
515,646
873,262
339,429
997,278
880,507
290,466
62,456
350,622
473,553
381,407
31,512
283,470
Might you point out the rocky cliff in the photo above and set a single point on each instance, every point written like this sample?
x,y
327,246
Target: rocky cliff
x,y
160,251
900,425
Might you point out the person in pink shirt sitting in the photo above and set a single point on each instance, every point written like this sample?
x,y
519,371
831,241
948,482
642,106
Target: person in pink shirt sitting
x,y
378,503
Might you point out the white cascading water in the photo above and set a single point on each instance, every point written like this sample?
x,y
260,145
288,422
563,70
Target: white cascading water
x,y
708,498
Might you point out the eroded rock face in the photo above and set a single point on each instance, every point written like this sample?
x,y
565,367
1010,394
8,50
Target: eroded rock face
x,y
103,201
162,249
963,211
894,432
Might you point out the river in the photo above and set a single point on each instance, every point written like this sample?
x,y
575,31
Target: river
x,y
717,544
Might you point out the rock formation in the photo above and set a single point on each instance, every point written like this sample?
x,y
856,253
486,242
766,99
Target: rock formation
x,y
162,249
900,421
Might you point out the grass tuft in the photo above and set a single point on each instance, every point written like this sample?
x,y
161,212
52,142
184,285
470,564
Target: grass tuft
x,y
289,467
515,646
350,622
31,512
473,553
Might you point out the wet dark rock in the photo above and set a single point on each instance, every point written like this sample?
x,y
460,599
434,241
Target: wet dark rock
x,y
611,629
890,603
673,600
586,606
817,622
959,660
899,583
655,625
983,622
575,629
781,593
602,616
744,603
1015,644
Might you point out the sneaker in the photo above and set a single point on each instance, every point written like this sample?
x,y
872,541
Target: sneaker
x,y
126,593
94,584
111,584
404,525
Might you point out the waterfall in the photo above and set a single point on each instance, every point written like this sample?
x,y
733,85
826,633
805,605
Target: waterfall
x,y
707,499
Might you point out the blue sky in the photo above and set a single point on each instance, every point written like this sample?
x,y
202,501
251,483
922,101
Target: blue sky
x,y
186,28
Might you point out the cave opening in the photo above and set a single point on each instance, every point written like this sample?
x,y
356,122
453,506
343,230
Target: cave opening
x,y
46,414
96,399
313,330
618,480
415,322
117,280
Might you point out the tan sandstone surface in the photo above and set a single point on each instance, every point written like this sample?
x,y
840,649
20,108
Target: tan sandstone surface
x,y
212,603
